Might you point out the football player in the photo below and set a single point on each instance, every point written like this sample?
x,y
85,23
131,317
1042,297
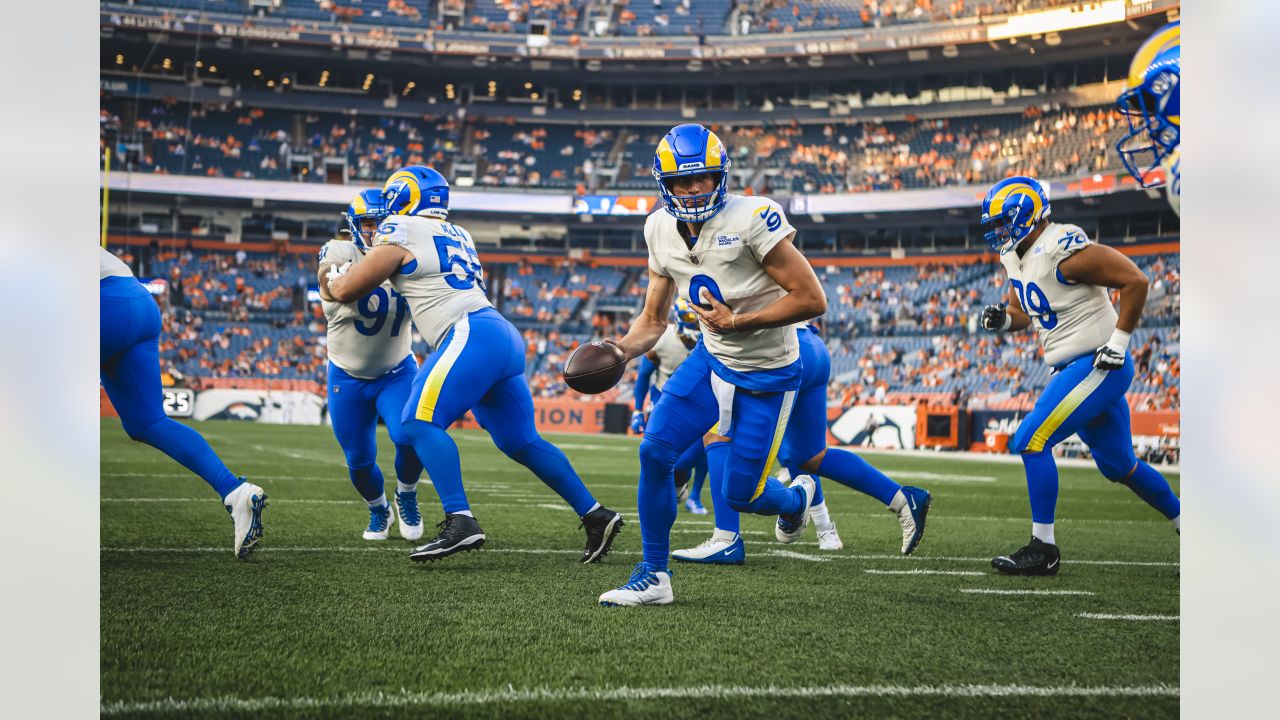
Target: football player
x,y
477,360
673,347
129,353
371,369
805,451
731,257
1152,104
1060,282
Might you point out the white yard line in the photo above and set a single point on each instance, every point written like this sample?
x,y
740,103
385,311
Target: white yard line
x,y
996,458
925,572
943,477
380,547
989,591
796,555
1133,618
538,695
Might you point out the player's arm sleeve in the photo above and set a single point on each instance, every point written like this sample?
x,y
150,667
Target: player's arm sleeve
x,y
768,227
1073,240
650,229
644,377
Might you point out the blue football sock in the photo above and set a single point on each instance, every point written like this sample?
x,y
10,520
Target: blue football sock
x,y
727,518
1042,485
408,467
189,448
851,470
1151,486
699,474
430,441
551,466
368,481
656,500
688,462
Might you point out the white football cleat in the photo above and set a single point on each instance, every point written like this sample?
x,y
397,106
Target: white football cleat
x,y
790,527
245,504
410,517
380,522
829,540
724,548
647,586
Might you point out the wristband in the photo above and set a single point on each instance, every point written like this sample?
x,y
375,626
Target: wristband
x,y
1119,340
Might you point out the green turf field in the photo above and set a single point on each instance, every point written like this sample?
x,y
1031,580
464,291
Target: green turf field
x,y
321,623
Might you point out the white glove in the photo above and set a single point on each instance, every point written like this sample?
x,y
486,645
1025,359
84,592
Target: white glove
x,y
336,271
1111,356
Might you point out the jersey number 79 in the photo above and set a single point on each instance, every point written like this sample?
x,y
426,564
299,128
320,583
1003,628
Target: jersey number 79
x,y
1036,304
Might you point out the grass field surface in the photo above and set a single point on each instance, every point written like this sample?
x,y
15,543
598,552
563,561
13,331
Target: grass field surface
x,y
320,623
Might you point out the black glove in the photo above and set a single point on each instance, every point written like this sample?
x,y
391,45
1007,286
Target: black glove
x,y
995,318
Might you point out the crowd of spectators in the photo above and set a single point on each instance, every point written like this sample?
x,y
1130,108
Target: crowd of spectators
x,y
228,140
895,333
421,19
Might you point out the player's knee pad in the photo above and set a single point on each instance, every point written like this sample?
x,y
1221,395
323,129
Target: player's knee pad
x,y
399,436
359,459
1115,469
143,431
417,431
657,453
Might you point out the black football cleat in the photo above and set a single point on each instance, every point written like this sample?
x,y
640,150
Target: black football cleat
x,y
458,533
1037,558
684,484
602,526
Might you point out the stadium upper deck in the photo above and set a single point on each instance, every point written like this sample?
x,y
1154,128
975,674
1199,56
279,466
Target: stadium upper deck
x,y
234,140
605,17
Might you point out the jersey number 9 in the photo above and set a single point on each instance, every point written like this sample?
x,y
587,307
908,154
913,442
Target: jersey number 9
x,y
1036,304
379,314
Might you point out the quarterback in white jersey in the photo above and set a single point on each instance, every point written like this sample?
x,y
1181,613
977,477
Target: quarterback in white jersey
x,y
731,257
477,361
370,375
1060,282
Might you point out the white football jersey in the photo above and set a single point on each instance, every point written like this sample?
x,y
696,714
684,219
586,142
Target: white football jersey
x,y
444,281
111,266
726,259
1072,319
1172,164
371,336
671,351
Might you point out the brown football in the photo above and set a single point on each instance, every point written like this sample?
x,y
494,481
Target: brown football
x,y
595,367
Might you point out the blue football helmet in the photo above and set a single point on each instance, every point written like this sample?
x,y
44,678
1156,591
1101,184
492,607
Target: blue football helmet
x,y
417,190
1152,104
691,149
365,205
1011,210
686,319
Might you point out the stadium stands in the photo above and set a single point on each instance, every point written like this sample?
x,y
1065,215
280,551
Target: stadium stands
x,y
617,17
224,140
895,332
